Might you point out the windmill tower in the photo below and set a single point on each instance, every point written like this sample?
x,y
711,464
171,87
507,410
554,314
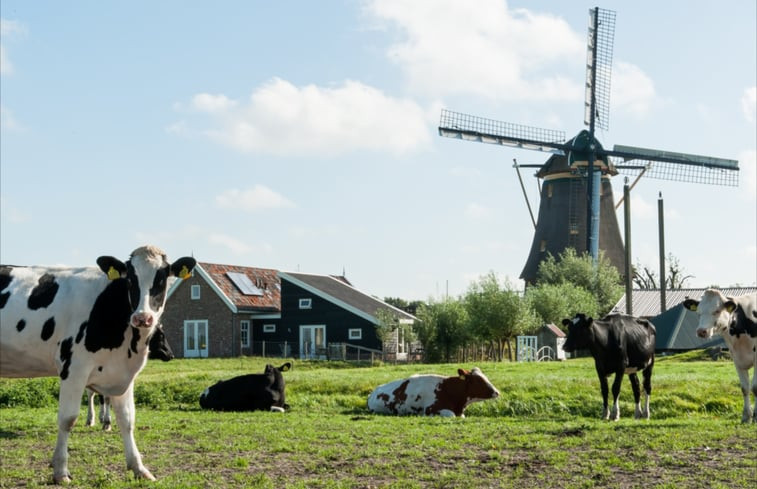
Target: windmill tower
x,y
576,194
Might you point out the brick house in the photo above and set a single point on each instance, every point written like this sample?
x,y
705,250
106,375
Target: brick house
x,y
229,310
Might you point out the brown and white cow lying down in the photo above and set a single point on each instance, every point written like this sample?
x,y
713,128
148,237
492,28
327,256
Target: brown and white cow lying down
x,y
91,328
734,320
431,394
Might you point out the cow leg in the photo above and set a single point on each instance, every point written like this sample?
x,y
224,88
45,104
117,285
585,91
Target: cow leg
x,y
123,406
615,413
105,413
746,412
605,392
90,407
754,379
647,374
69,401
636,395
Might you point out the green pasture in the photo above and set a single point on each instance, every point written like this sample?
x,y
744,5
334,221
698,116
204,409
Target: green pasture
x,y
543,431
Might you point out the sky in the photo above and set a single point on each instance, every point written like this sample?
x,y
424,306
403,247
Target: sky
x,y
302,136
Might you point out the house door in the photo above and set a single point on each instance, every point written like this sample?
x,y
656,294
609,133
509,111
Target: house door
x,y
312,341
195,339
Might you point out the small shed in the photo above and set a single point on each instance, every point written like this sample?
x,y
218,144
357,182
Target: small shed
x,y
551,340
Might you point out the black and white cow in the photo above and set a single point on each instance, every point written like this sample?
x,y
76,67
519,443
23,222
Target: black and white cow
x,y
159,350
620,345
431,394
91,328
252,392
734,320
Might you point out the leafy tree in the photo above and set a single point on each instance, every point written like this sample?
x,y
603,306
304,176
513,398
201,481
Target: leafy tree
x,y
555,302
497,314
603,281
442,328
410,307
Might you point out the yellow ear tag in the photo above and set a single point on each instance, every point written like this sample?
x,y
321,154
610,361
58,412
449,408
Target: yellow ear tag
x,y
694,308
113,274
184,273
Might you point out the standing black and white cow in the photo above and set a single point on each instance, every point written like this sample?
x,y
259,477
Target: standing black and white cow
x,y
159,350
90,327
252,392
620,345
734,319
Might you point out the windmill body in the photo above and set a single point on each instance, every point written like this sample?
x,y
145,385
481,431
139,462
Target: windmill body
x,y
577,208
563,208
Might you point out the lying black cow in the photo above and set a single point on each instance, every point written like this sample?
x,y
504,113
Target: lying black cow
x,y
619,344
253,392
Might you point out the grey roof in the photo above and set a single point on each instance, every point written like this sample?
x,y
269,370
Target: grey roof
x,y
338,291
646,302
676,327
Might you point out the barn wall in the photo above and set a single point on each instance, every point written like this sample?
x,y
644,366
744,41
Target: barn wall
x,y
338,321
180,307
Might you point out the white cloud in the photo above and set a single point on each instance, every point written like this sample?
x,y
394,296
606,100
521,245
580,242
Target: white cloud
x,y
632,91
748,170
253,199
212,103
8,29
454,47
235,245
475,210
642,209
749,104
8,121
283,119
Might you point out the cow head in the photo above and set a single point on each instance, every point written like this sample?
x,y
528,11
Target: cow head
x,y
146,273
714,311
159,347
578,332
477,385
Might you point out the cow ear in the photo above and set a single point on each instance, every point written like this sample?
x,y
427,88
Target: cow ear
x,y
729,306
691,304
113,267
182,267
285,367
566,322
462,373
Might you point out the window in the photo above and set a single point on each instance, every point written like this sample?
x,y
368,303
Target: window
x,y
269,328
244,333
355,334
306,303
195,292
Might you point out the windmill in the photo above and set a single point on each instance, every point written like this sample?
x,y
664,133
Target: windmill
x,y
576,191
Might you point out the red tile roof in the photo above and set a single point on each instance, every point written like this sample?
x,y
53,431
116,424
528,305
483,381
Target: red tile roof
x,y
267,280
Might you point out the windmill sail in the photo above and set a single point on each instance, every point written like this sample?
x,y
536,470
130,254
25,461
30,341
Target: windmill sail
x,y
577,205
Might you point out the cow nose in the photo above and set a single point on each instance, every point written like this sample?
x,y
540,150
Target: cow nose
x,y
141,320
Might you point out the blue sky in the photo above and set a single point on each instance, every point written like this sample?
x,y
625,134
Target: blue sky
x,y
302,136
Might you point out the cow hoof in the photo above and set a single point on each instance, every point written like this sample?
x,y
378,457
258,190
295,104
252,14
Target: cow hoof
x,y
62,479
107,427
144,474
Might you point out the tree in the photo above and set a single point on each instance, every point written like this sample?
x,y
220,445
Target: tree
x,y
497,314
442,328
603,282
645,278
555,302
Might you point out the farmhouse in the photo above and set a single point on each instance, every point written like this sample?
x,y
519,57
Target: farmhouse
x,y
676,326
230,310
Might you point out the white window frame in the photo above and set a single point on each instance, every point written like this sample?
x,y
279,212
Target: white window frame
x,y
306,303
195,292
244,333
355,333
269,328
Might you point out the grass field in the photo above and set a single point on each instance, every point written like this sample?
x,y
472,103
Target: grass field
x,y
542,432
